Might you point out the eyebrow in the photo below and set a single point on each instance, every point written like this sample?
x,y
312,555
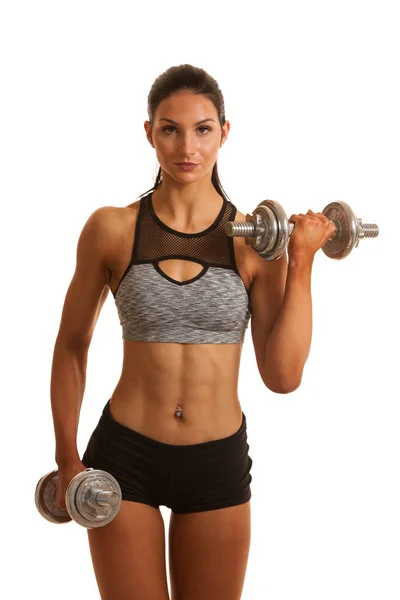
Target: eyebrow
x,y
176,123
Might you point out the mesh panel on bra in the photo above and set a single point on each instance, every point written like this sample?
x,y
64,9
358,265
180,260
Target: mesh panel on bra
x,y
155,240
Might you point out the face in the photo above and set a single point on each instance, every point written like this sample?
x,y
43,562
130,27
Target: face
x,y
177,135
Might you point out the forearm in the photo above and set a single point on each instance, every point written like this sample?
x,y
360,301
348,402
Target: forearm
x,y
68,380
288,345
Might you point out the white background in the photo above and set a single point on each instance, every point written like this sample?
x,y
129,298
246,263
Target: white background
x,y
312,93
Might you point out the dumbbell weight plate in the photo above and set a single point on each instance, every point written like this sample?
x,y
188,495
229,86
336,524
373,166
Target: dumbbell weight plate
x,y
272,227
45,499
346,236
85,498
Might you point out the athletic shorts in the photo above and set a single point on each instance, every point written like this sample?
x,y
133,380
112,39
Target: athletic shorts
x,y
184,478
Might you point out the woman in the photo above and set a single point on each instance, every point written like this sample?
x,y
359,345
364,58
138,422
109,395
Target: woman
x,y
173,432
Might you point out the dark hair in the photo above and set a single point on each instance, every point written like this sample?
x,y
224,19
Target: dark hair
x,y
196,81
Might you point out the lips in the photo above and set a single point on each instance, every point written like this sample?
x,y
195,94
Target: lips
x,y
187,164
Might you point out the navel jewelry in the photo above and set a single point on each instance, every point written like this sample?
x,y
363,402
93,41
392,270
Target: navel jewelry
x,y
178,412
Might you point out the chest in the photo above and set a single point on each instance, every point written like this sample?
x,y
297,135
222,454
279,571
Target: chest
x,y
177,270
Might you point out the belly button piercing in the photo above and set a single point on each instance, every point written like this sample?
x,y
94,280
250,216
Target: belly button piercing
x,y
178,412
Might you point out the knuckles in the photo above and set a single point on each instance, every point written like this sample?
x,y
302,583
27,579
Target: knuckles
x,y
313,219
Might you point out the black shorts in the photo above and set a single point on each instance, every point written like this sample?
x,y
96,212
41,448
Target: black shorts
x,y
185,478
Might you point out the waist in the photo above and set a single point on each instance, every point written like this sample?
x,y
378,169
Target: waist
x,y
204,418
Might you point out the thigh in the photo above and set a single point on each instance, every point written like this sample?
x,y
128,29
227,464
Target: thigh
x,y
208,553
128,554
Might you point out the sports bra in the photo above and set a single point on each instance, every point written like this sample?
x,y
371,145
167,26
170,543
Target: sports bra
x,y
212,308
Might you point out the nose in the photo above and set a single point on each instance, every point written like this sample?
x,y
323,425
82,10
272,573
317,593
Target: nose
x,y
188,144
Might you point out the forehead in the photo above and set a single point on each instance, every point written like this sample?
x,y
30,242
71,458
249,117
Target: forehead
x,y
185,106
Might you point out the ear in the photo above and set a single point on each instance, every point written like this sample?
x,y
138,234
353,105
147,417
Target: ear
x,y
225,132
147,127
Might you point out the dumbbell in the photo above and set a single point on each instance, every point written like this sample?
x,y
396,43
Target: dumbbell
x,y
268,230
93,498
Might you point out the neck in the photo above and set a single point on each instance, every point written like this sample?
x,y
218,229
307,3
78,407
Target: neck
x,y
186,205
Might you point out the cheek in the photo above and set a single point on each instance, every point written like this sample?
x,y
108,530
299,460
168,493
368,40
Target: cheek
x,y
211,147
209,144
165,146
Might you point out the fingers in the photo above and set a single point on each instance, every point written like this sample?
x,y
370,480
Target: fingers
x,y
317,219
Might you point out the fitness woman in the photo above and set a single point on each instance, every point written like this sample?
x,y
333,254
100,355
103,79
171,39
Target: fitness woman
x,y
173,432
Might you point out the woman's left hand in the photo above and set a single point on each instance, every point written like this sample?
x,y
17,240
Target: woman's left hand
x,y
310,233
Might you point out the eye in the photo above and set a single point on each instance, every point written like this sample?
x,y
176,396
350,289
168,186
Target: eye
x,y
173,127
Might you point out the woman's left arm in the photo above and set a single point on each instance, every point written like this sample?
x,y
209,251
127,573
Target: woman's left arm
x,y
282,305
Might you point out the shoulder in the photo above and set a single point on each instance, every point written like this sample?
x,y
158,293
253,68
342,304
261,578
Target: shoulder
x,y
111,221
108,228
109,217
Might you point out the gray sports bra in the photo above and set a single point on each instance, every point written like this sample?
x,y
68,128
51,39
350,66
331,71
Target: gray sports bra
x,y
212,308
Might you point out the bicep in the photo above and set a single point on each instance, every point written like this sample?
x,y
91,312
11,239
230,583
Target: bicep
x,y
266,294
88,289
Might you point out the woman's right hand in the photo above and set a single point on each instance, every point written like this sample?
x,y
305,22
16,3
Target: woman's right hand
x,y
65,474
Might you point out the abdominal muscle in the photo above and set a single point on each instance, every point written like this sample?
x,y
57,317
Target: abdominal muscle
x,y
201,378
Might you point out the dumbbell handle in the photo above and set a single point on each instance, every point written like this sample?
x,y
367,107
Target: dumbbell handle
x,y
106,498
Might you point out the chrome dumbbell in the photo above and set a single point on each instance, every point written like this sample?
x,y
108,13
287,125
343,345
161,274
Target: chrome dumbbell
x,y
93,498
268,230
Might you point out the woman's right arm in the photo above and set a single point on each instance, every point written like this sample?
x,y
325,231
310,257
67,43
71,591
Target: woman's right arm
x,y
84,300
